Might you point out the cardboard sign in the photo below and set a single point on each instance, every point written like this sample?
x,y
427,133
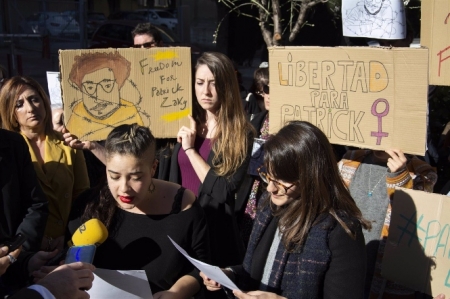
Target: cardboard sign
x,y
365,97
417,253
374,19
435,34
104,88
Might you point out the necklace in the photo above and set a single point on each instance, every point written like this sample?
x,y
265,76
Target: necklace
x,y
370,192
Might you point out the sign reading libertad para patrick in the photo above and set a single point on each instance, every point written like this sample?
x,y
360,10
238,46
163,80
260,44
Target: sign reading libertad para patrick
x,y
366,97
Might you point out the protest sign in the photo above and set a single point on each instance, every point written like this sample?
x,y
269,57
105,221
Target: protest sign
x,y
417,252
104,88
434,34
374,19
365,97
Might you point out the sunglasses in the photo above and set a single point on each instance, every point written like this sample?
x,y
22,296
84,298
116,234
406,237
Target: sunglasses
x,y
281,188
265,90
145,45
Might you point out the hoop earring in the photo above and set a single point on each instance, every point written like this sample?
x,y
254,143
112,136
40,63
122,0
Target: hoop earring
x,y
152,187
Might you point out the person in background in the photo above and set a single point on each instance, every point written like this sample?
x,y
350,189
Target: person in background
x,y
307,239
371,177
140,212
212,155
255,102
3,75
61,170
252,187
146,36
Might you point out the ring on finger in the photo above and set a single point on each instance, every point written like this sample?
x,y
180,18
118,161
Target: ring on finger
x,y
12,259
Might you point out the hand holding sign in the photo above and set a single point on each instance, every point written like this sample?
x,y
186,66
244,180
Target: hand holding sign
x,y
397,161
186,136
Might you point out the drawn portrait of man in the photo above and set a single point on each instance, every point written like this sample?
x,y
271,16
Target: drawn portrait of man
x,y
374,19
100,77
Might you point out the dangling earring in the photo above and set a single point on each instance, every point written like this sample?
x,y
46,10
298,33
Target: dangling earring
x,y
152,187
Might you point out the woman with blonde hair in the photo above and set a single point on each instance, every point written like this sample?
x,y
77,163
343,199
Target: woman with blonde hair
x,y
61,170
212,155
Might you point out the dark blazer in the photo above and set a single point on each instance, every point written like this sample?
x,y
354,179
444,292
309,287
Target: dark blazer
x,y
217,197
26,294
24,207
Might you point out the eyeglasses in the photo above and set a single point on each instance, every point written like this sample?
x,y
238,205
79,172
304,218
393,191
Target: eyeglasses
x,y
282,189
265,90
91,87
145,45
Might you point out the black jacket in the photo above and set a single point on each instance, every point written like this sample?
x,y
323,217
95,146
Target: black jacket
x,y
217,196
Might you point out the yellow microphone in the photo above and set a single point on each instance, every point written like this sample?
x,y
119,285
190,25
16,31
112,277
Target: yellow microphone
x,y
92,232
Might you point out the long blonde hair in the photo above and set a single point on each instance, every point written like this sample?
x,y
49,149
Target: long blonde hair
x,y
233,133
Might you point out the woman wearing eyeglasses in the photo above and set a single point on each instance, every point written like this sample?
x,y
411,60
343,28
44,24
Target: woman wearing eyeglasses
x,y
61,170
307,239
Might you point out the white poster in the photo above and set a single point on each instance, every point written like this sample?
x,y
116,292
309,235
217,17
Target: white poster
x,y
381,19
54,89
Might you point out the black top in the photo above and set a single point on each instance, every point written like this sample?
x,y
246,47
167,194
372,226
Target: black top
x,y
141,242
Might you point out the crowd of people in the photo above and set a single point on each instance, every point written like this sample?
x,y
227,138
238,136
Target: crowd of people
x,y
289,219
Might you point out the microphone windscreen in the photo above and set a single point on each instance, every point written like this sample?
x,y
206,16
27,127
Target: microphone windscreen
x,y
92,232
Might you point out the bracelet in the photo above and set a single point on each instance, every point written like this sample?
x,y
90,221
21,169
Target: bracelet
x,y
189,148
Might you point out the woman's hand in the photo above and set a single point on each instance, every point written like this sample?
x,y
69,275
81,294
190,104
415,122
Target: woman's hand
x,y
256,294
210,284
186,136
39,259
397,161
5,261
96,148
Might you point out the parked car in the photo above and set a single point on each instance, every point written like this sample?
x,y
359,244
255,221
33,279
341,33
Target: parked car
x,y
52,23
160,17
94,20
117,34
127,15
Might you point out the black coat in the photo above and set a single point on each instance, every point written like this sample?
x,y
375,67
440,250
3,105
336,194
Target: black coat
x,y
23,205
217,196
243,193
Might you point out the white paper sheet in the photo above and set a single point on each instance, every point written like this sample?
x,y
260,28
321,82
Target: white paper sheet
x,y
213,272
381,19
130,284
54,89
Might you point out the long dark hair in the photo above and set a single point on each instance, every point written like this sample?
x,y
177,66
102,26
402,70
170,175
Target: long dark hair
x,y
132,140
232,123
301,154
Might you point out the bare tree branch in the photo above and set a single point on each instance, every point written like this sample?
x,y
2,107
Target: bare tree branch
x,y
301,20
276,20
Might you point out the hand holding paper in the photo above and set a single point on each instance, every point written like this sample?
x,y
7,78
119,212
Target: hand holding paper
x,y
212,272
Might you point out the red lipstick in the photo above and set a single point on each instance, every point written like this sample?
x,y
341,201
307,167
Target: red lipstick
x,y
126,199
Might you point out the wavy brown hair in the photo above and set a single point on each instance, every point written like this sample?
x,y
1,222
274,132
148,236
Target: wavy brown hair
x,y
231,139
301,154
10,92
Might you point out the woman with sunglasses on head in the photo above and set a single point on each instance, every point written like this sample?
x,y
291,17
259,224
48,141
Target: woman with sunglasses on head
x,y
307,239
211,158
61,170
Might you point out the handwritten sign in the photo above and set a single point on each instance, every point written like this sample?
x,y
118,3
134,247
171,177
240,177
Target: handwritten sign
x,y
434,34
374,19
417,253
364,97
104,88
